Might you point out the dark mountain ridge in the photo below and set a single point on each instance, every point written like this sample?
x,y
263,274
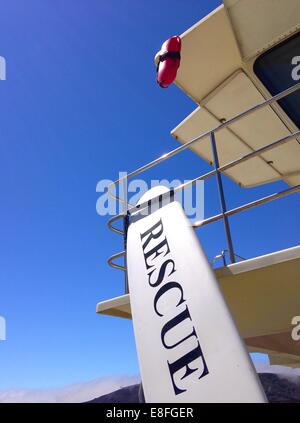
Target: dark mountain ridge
x,y
278,388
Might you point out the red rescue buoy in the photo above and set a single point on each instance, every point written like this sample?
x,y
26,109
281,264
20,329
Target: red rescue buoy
x,y
168,61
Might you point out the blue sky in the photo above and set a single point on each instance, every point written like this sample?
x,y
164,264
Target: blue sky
x,y
80,104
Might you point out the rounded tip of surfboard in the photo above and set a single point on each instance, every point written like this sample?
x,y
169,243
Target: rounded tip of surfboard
x,y
153,193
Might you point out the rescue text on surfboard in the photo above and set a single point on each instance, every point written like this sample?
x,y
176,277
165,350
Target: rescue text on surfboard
x,y
161,268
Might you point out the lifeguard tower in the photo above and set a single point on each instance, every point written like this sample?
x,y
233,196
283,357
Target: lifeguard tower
x,y
239,65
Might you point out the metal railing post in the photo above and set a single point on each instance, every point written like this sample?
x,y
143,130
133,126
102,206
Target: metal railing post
x,y
125,229
221,196
125,226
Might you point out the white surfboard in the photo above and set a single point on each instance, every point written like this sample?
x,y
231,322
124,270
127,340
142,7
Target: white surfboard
x,y
188,346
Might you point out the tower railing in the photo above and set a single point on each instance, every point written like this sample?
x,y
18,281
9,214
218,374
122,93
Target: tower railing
x,y
129,209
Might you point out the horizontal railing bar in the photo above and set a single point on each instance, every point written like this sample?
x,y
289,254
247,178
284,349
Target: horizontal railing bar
x,y
247,206
113,228
259,151
217,217
116,197
223,125
220,169
114,257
